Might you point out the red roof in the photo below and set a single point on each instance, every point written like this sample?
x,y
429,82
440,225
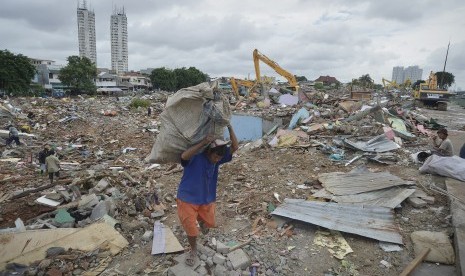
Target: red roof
x,y
327,79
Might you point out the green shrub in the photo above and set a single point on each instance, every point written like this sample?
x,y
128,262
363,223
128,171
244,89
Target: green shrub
x,y
135,103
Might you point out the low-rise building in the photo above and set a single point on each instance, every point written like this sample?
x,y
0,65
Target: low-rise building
x,y
47,74
135,81
327,80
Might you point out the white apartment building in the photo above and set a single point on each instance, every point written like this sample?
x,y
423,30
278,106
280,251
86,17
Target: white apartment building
x,y
400,75
413,73
119,41
86,32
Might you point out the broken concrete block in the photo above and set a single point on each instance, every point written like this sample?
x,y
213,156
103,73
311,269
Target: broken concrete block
x,y
429,199
88,201
106,207
147,235
220,270
234,273
239,259
419,193
219,259
222,248
202,271
181,269
417,202
181,259
439,243
101,185
157,214
205,250
55,251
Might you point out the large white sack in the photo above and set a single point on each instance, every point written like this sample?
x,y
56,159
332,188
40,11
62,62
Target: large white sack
x,y
453,167
190,114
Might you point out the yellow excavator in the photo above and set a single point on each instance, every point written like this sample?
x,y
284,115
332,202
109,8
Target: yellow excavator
x,y
257,56
235,83
390,84
429,94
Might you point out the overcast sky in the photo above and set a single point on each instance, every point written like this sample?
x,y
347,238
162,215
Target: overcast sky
x,y
344,39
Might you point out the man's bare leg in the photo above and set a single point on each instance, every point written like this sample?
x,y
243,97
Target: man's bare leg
x,y
192,255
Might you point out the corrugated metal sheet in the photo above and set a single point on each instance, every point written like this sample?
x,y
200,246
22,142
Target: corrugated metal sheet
x,y
389,198
368,221
339,183
378,144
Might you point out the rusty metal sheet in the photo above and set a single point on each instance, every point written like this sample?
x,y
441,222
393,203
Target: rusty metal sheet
x,y
389,198
339,183
369,221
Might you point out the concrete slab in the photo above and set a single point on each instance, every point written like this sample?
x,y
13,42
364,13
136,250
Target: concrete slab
x,y
239,259
430,269
181,259
459,244
457,189
182,270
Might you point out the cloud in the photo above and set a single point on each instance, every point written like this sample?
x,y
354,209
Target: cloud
x,y
311,38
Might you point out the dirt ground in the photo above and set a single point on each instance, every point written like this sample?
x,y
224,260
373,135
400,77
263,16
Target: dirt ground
x,y
246,188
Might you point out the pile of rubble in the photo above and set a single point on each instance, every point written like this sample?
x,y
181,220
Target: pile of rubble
x,y
310,145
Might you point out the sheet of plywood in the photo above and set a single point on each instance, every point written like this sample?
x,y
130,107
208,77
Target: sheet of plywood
x,y
164,240
30,246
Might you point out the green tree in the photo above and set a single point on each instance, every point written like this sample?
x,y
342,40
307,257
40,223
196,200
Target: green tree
x,y
189,77
416,85
366,80
300,78
378,86
319,86
445,79
16,73
164,79
79,74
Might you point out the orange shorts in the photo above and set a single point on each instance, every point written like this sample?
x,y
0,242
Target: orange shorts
x,y
189,214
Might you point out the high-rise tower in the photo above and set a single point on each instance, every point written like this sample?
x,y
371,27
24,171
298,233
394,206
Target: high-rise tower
x,y
86,32
119,41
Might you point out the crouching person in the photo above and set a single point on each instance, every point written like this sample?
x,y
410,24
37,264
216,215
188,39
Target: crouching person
x,y
197,191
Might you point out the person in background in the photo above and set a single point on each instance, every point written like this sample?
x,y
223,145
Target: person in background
x,y
149,111
442,145
13,136
42,156
53,165
197,191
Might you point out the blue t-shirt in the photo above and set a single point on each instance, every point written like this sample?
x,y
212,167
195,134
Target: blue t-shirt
x,y
198,183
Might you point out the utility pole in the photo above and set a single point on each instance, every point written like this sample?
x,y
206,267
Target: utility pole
x,y
444,69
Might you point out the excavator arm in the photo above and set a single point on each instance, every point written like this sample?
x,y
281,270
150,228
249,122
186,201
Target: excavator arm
x,y
257,56
235,82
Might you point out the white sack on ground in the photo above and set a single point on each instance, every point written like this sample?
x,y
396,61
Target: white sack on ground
x,y
190,114
453,167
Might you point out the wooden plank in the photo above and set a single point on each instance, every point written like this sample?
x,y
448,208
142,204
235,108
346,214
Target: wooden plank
x,y
413,264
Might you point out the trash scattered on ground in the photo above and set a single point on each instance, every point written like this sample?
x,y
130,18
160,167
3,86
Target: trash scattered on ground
x,y
109,211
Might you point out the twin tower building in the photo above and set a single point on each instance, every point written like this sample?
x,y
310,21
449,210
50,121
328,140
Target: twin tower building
x,y
119,37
